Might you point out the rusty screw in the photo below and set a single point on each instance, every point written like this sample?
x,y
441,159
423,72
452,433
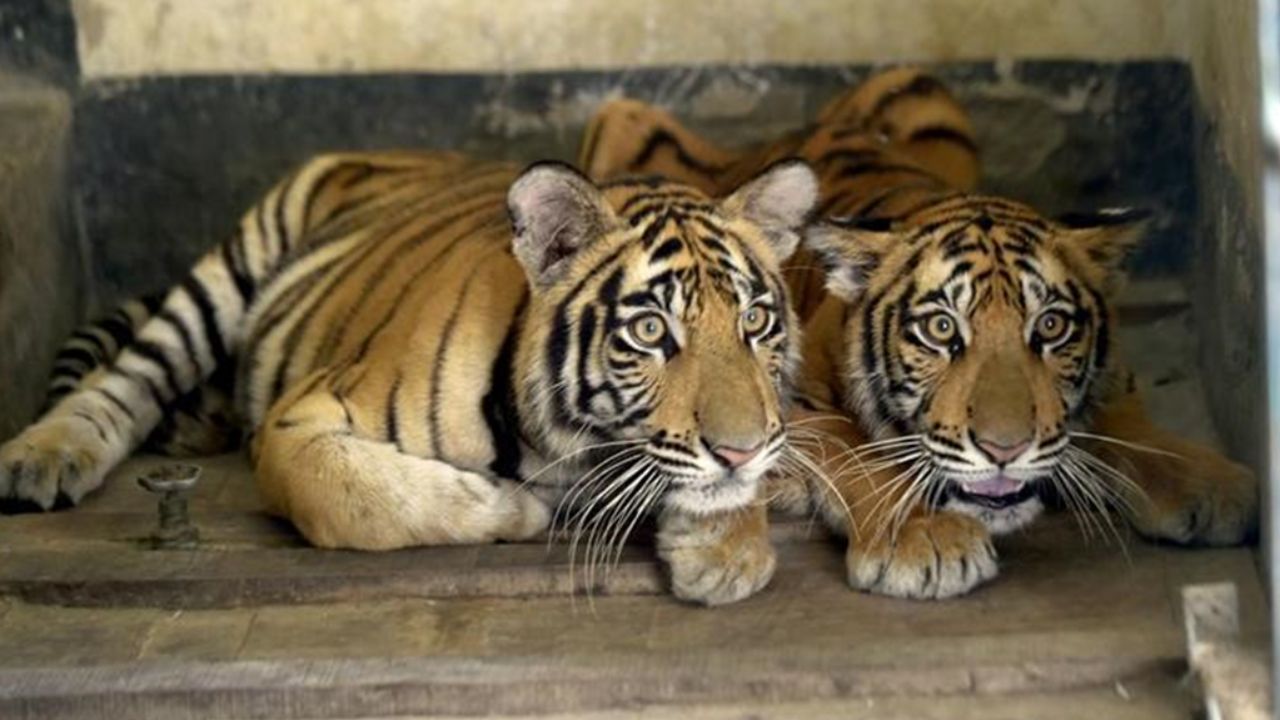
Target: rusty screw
x,y
172,482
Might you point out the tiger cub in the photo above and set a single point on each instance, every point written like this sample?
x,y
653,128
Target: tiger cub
x,y
963,344
434,350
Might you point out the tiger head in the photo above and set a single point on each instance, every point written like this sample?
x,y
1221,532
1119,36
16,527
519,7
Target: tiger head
x,y
979,334
658,341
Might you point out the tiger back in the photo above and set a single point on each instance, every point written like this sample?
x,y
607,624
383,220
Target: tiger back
x,y
430,349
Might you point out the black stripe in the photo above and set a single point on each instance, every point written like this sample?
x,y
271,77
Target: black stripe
x,y
77,355
651,182
119,330
944,133
855,171
501,414
115,400
208,317
93,339
243,282
593,141
260,216
920,86
152,302
661,138
281,199
145,382
318,186
102,433
156,354
442,350
421,207
668,248
586,333
558,343
393,423
188,344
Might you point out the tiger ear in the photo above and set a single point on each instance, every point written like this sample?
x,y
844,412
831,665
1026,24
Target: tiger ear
x,y
850,250
779,200
1104,238
555,211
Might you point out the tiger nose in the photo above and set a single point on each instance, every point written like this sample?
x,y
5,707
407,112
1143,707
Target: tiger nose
x,y
735,457
1003,454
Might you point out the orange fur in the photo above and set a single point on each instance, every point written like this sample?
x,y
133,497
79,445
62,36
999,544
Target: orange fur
x,y
900,148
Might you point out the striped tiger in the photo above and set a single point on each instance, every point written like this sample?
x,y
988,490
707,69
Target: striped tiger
x,y
961,344
431,349
201,422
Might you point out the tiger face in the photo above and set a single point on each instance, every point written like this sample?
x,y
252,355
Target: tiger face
x,y
978,333
659,338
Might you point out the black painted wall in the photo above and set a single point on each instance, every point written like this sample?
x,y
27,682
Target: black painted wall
x,y
165,166
38,38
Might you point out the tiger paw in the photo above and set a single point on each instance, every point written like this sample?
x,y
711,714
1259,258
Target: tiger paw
x,y
719,559
61,457
1205,500
934,556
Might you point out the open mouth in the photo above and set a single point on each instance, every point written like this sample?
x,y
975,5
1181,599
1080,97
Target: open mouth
x,y
998,492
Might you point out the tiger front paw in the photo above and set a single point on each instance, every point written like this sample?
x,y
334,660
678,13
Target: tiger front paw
x,y
719,559
57,457
934,556
1204,500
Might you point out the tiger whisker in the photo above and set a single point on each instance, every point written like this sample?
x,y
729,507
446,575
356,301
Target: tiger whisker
x,y
610,521
807,464
1095,496
1124,443
578,453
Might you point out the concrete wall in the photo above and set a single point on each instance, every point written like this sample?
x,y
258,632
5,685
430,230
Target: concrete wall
x,y
130,38
1226,275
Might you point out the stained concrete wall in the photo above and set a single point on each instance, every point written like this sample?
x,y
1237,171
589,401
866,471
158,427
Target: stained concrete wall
x,y
41,279
1226,275
130,38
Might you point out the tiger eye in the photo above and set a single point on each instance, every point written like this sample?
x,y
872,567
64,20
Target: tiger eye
x,y
649,329
1052,325
939,328
755,319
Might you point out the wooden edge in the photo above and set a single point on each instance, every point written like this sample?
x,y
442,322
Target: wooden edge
x,y
467,686
102,575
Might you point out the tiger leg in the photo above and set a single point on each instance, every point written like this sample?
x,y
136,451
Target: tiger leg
x,y
71,448
197,330
1181,491
897,545
342,490
629,137
717,559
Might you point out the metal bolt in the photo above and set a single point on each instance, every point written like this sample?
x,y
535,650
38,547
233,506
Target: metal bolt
x,y
172,482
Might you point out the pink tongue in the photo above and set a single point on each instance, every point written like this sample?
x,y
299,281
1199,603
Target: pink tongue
x,y
995,487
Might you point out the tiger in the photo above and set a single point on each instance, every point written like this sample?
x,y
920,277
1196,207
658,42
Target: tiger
x,y
201,422
960,369
432,349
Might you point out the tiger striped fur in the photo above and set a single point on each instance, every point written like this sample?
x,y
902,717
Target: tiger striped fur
x,y
202,422
962,343
433,350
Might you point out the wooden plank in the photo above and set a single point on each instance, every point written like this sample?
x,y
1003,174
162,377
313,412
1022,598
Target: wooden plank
x,y
221,578
100,572
470,686
1157,698
1062,617
1059,610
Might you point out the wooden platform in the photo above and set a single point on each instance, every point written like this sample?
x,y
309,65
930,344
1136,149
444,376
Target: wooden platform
x,y
252,623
